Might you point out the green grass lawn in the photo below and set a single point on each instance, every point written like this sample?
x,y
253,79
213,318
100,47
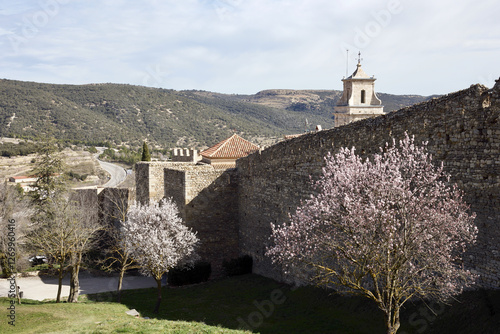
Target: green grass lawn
x,y
250,302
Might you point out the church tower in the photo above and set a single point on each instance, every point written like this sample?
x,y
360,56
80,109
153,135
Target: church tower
x,y
359,100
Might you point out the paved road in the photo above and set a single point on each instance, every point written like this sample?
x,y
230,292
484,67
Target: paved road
x,y
46,288
118,174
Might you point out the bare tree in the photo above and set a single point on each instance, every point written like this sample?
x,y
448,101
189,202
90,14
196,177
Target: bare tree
x,y
84,224
65,238
117,255
389,228
53,237
157,239
12,206
115,252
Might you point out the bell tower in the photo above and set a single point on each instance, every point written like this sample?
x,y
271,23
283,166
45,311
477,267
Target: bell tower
x,y
359,100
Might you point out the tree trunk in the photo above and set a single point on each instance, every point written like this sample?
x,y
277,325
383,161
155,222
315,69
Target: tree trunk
x,y
18,295
158,301
59,288
392,330
74,283
120,282
392,322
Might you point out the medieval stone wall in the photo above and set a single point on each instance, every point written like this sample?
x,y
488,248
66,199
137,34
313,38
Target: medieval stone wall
x,y
114,204
463,131
149,178
110,204
207,200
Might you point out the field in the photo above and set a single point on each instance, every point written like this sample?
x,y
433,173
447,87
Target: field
x,y
252,303
77,161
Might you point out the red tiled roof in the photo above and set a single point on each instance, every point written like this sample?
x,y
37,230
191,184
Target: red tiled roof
x,y
232,147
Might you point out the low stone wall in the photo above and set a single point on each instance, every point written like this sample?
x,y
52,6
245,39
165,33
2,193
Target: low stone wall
x,y
462,130
110,204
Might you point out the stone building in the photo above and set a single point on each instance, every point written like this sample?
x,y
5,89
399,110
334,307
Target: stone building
x,y
358,100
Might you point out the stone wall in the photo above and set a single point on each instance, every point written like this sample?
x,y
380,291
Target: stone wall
x,y
114,204
207,200
463,131
149,179
108,205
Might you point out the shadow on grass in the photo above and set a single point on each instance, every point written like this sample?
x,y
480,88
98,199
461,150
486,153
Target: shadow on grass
x,y
258,304
262,305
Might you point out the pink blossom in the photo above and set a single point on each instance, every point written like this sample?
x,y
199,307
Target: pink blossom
x,y
389,227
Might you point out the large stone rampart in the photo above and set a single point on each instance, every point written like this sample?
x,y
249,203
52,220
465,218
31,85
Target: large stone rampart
x,y
462,130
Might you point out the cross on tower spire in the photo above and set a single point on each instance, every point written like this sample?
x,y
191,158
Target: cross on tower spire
x,y
359,58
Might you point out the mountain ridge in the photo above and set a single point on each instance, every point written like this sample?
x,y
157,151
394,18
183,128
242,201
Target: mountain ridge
x,y
95,114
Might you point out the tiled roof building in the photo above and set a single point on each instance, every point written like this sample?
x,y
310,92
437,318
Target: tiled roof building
x,y
225,153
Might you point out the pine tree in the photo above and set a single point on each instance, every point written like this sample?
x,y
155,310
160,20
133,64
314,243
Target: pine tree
x,y
49,186
145,153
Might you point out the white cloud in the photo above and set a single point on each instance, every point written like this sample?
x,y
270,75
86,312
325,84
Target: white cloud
x,y
238,46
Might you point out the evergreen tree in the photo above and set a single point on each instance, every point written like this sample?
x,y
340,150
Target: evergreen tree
x,y
146,156
49,186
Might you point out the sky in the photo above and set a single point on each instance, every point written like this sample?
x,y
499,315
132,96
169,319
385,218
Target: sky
x,y
420,47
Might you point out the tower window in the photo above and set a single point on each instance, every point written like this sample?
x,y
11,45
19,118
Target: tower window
x,y
363,93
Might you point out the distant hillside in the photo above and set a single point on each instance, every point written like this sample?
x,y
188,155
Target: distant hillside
x,y
319,102
95,114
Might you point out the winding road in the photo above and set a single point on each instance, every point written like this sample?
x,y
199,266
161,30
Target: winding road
x,y
118,174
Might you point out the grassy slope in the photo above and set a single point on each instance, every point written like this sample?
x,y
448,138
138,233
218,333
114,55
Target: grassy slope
x,y
37,317
218,306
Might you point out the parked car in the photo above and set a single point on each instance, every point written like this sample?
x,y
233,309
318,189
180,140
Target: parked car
x,y
37,259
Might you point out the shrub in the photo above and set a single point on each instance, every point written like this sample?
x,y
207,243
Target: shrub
x,y
239,266
92,149
200,272
76,176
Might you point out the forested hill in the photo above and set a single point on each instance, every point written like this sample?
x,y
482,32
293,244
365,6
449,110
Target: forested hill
x,y
94,114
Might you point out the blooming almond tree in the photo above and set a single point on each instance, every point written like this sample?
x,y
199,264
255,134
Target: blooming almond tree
x,y
389,228
156,238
